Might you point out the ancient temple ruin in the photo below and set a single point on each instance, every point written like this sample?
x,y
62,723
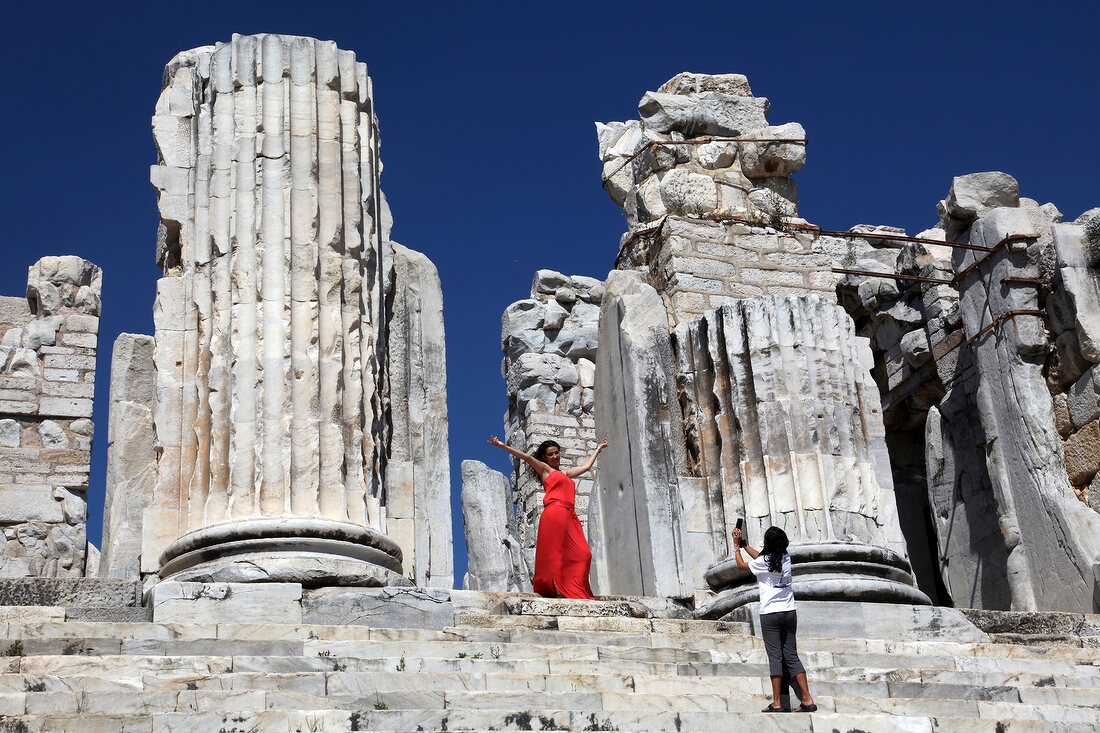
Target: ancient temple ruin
x,y
915,411
899,405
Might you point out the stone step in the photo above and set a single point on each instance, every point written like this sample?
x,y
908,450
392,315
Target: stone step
x,y
104,638
552,719
351,691
546,658
70,592
47,622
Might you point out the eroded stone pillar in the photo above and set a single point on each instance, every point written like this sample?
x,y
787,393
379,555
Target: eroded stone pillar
x,y
790,434
273,415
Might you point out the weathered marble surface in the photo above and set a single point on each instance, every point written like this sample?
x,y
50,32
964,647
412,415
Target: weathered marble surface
x,y
299,352
48,343
549,341
635,524
494,549
1053,540
131,457
892,621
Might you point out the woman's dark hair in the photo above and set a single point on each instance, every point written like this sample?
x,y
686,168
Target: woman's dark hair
x,y
540,452
775,547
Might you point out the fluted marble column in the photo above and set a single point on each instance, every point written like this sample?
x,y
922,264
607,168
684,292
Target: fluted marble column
x,y
790,434
761,410
272,321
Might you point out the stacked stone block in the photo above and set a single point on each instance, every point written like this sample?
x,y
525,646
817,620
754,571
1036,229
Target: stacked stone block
x,y
549,343
1073,365
998,513
48,344
704,183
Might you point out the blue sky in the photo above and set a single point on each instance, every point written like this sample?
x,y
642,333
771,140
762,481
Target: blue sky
x,y
489,148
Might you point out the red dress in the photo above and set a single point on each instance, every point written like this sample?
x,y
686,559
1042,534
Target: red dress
x,y
562,555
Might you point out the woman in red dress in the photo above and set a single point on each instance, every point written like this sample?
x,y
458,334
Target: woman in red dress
x,y
562,555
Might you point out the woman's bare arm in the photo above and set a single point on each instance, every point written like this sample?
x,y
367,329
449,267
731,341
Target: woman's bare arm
x,y
579,470
738,541
542,469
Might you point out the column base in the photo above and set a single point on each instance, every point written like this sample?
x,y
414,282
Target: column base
x,y
831,571
310,551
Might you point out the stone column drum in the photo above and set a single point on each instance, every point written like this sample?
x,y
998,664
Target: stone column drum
x,y
272,413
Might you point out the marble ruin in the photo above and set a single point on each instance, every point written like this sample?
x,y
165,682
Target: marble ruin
x,y
48,343
919,413
273,427
922,415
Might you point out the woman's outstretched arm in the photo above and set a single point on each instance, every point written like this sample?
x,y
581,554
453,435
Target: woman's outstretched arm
x,y
542,469
738,541
578,470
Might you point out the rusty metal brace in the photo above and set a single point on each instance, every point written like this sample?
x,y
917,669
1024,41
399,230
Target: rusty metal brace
x,y
1003,317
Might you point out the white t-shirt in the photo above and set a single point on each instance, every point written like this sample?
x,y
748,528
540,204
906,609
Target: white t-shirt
x,y
776,593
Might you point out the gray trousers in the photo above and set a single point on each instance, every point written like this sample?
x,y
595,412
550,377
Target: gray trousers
x,y
778,631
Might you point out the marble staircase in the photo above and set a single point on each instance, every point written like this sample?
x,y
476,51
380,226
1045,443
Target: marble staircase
x,y
518,662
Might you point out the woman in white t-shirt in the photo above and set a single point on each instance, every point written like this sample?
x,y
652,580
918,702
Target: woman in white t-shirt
x,y
778,621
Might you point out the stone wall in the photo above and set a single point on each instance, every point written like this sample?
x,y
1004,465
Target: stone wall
x,y
704,183
987,386
48,344
549,343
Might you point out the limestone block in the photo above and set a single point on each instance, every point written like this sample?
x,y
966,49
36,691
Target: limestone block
x,y
606,135
915,348
1082,451
29,503
635,503
131,476
415,608
716,155
555,315
1067,364
23,363
548,282
774,159
705,113
1073,246
618,175
523,342
687,82
586,371
418,385
531,369
684,192
68,281
1062,419
975,194
1050,535
649,203
52,435
68,592
277,603
588,289
579,343
1083,400
493,547
41,332
10,433
523,315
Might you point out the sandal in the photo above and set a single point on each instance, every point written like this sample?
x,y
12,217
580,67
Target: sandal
x,y
770,709
811,708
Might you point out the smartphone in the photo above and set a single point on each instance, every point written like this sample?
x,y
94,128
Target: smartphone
x,y
741,526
